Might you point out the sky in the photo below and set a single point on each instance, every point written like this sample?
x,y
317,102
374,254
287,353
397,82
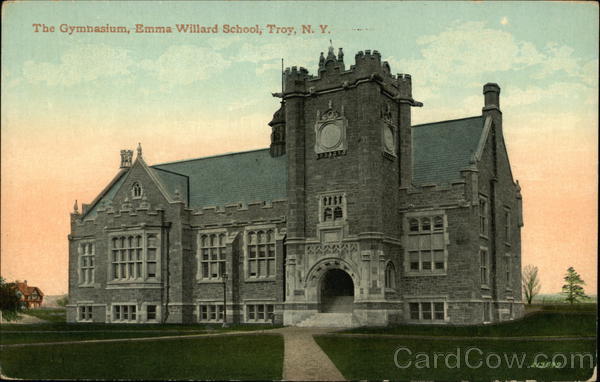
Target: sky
x,y
72,101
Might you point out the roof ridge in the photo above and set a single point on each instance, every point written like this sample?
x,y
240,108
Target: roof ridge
x,y
209,157
447,120
169,171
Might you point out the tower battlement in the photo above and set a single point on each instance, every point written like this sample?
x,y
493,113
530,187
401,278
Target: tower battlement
x,y
332,73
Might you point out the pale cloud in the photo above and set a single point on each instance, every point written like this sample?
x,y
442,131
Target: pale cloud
x,y
471,51
79,64
568,94
559,58
185,64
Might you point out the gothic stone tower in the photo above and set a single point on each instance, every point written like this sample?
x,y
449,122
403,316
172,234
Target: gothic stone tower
x,y
348,142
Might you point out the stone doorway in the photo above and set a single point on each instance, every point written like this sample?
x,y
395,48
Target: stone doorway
x,y
337,292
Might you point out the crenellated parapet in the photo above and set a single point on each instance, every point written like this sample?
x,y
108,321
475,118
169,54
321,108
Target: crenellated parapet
x,y
432,195
333,76
241,214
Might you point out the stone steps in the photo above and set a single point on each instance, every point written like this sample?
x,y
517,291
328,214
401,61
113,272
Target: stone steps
x,y
330,320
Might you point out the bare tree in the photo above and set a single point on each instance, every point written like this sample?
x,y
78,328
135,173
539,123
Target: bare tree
x,y
531,283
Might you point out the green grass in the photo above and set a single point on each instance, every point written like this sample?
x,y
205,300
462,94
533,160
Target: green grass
x,y
559,298
557,307
49,332
216,358
9,338
53,315
537,324
374,359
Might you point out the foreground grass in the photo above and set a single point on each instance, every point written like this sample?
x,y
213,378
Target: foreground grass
x,y
537,324
216,358
35,333
53,315
360,358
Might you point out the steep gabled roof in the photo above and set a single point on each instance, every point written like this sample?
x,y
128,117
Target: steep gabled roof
x,y
442,149
107,194
28,290
231,178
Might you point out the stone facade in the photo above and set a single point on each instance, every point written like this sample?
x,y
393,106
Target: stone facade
x,y
423,221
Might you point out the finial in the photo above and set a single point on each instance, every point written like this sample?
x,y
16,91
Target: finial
x,y
139,150
177,195
330,54
321,59
340,55
76,208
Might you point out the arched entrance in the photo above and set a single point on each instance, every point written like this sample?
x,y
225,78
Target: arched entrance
x,y
337,292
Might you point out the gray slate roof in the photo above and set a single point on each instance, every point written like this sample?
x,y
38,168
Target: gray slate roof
x,y
238,177
442,149
173,182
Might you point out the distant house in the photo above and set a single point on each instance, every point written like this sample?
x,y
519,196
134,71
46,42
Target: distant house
x,y
31,297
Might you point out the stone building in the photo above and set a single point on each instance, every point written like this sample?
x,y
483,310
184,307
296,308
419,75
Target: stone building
x,y
352,215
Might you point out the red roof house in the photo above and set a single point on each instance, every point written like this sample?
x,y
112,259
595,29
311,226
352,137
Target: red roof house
x,y
31,297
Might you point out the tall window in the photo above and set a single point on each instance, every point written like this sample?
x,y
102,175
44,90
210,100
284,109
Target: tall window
x,y
136,190
507,225
427,311
508,268
483,213
390,276
483,266
332,207
426,246
487,316
135,257
86,263
261,253
212,253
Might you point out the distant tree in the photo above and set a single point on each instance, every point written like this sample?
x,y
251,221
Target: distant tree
x,y
10,301
531,282
573,288
63,301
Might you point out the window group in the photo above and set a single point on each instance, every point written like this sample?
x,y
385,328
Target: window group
x,y
426,244
133,258
427,311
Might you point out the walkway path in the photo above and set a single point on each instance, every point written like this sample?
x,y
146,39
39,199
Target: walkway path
x,y
303,359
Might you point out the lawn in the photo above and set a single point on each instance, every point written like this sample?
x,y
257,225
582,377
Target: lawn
x,y
545,324
249,357
48,314
377,358
61,332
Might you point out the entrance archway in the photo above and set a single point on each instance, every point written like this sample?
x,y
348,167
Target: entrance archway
x,y
337,292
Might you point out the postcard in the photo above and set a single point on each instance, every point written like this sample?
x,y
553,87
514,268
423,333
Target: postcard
x,y
298,190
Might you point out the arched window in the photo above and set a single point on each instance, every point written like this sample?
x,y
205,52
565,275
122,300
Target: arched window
x,y
413,225
136,190
438,223
338,213
327,215
390,276
425,224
